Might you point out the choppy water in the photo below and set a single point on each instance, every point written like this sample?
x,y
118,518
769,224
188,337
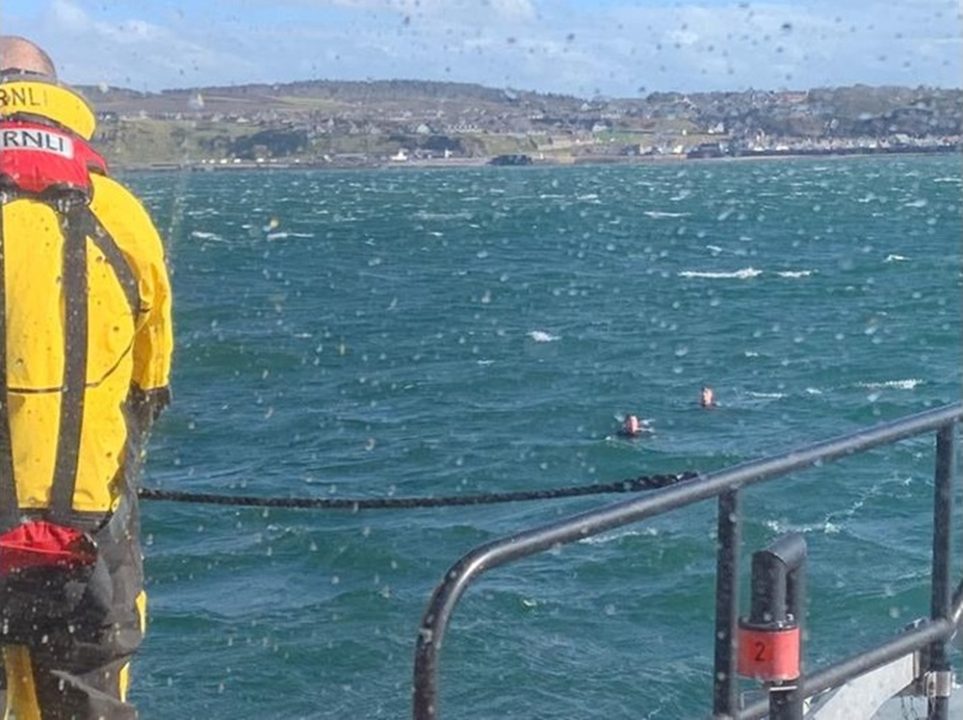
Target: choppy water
x,y
417,332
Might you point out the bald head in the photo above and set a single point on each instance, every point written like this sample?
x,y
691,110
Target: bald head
x,y
18,54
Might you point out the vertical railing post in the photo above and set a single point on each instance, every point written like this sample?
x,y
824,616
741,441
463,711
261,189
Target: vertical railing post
x,y
770,639
725,681
939,678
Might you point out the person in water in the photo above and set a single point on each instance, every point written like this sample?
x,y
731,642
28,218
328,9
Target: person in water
x,y
85,327
633,427
708,397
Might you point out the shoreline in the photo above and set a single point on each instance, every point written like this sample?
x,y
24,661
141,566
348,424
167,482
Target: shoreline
x,y
458,163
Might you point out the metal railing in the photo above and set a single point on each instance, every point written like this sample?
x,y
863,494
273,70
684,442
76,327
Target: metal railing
x,y
726,485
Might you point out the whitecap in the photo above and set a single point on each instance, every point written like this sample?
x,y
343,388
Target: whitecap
x,y
828,527
714,249
277,236
743,274
540,336
425,215
794,273
921,203
656,214
813,391
893,257
768,395
588,196
947,180
909,384
200,235
613,536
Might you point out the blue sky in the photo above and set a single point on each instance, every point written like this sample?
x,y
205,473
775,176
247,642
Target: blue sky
x,y
582,47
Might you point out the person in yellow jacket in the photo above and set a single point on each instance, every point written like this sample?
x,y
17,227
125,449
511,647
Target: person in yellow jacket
x,y
85,329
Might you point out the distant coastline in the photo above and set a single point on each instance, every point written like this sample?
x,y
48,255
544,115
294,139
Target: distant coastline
x,y
477,162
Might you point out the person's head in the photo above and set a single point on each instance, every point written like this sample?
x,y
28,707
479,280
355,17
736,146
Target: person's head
x,y
708,397
631,425
19,56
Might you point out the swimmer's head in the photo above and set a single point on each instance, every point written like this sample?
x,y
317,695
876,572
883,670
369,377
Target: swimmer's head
x,y
708,397
631,425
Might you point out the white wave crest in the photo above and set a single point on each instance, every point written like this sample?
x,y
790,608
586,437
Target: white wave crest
x,y
461,215
540,336
909,384
768,396
618,535
893,257
285,235
656,214
200,235
743,274
828,527
795,273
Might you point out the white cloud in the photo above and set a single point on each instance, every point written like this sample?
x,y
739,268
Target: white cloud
x,y
682,37
130,51
518,10
69,17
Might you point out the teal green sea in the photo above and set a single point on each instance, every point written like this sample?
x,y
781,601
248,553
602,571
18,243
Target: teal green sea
x,y
415,332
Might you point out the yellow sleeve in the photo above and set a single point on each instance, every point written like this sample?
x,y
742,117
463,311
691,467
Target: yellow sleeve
x,y
127,221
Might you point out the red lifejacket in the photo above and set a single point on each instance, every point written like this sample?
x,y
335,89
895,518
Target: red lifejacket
x,y
36,158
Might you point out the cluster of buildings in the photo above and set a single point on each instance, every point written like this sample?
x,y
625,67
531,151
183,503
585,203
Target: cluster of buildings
x,y
398,123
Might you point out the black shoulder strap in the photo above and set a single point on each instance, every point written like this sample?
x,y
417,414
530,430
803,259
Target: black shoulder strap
x,y
125,274
78,225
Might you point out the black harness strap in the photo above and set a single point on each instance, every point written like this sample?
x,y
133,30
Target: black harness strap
x,y
122,269
9,507
78,225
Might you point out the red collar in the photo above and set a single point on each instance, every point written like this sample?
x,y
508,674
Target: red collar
x,y
36,158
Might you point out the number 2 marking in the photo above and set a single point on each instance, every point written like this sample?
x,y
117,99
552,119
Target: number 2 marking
x,y
760,650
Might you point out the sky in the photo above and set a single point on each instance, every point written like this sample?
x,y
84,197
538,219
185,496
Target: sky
x,y
588,48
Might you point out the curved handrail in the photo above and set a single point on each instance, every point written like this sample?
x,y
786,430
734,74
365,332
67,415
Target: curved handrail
x,y
447,594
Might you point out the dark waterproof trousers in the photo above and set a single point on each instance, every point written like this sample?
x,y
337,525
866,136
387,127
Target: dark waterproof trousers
x,y
67,645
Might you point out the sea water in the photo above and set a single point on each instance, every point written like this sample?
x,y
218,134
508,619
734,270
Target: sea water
x,y
443,332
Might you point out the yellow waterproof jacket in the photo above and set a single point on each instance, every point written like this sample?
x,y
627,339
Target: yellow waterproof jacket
x,y
86,323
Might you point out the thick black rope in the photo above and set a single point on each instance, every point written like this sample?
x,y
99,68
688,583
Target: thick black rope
x,y
643,482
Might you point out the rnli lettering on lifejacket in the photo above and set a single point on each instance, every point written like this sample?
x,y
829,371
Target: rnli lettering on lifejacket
x,y
21,98
36,139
